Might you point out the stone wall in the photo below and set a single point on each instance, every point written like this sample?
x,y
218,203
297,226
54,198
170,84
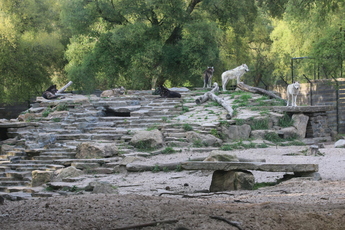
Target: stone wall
x,y
323,92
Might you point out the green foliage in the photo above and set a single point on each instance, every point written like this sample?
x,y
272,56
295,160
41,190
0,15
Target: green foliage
x,y
46,112
285,121
187,127
168,150
259,124
61,107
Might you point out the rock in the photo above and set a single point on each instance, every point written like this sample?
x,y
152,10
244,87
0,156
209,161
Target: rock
x,y
101,187
28,116
236,132
231,180
340,144
88,150
221,156
40,177
4,148
71,171
147,139
288,132
206,139
300,123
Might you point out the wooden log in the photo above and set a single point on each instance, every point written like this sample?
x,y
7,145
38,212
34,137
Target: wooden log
x,y
212,96
251,89
64,88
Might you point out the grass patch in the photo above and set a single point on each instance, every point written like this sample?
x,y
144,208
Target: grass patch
x,y
238,145
259,124
168,150
46,112
285,121
187,127
61,107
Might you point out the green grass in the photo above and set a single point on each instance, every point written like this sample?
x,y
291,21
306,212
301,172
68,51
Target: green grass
x,y
187,127
168,150
285,121
259,124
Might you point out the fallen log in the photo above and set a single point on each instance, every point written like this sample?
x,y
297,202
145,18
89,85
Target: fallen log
x,y
64,88
252,89
212,96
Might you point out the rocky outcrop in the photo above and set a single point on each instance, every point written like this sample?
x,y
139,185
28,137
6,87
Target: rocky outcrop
x,y
40,177
147,139
88,150
236,132
205,139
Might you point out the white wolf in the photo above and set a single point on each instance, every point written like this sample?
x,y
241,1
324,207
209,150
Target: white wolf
x,y
236,73
291,92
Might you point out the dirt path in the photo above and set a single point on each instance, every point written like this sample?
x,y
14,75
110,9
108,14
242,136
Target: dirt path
x,y
143,199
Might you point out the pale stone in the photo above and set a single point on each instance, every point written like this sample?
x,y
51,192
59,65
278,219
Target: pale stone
x,y
237,132
340,144
150,139
71,171
300,123
206,139
221,156
40,177
88,150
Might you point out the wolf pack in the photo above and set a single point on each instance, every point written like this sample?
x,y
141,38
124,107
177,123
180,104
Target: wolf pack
x,y
292,91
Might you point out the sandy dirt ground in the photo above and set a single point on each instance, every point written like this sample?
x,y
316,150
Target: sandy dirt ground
x,y
178,200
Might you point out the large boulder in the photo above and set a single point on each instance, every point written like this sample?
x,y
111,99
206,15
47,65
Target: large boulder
x,y
217,155
89,150
300,123
40,177
205,139
232,180
340,144
147,139
68,172
103,187
236,132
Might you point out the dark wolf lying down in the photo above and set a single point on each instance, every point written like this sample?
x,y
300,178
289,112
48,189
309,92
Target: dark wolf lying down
x,y
166,93
50,93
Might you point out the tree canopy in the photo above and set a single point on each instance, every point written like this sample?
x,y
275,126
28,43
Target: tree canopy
x,y
101,44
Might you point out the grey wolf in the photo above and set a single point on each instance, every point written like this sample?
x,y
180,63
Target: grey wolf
x,y
208,74
235,73
113,92
292,92
164,92
50,93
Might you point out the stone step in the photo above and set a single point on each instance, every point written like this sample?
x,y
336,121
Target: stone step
x,y
14,183
12,189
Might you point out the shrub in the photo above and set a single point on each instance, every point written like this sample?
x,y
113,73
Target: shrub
x,y
259,124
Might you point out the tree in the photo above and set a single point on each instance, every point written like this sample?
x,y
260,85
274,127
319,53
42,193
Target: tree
x,y
139,43
30,45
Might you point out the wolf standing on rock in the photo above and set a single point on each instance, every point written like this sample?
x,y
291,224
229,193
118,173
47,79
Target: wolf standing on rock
x,y
208,74
236,73
292,92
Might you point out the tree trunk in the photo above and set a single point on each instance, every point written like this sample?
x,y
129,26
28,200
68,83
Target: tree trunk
x,y
212,96
251,89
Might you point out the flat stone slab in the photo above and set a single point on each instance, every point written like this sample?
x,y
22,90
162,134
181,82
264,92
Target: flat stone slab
x,y
227,166
303,109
